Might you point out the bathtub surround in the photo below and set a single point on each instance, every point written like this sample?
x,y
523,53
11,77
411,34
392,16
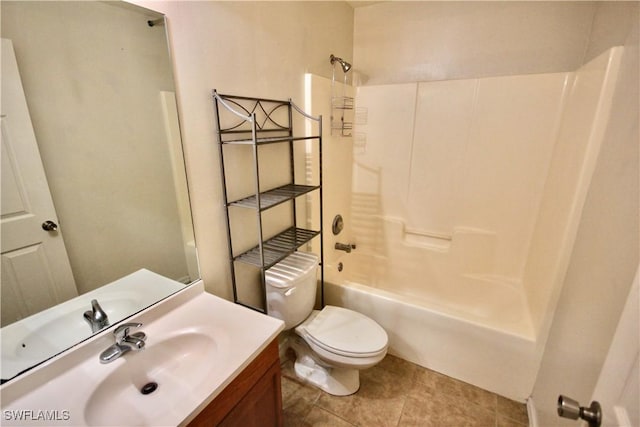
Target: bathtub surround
x,y
462,166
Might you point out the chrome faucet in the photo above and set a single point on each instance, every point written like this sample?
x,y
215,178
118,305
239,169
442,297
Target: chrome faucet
x,y
124,342
96,317
347,247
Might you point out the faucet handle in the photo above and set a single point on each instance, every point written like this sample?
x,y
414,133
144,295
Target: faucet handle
x,y
122,331
347,247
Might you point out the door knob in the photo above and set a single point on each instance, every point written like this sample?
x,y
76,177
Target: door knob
x,y
49,226
569,408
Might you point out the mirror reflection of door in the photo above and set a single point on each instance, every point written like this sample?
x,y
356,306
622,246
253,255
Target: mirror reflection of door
x,y
36,273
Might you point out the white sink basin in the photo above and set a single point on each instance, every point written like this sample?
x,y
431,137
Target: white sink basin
x,y
196,345
175,366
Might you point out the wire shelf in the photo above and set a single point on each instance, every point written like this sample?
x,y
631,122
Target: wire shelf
x,y
274,197
278,247
268,140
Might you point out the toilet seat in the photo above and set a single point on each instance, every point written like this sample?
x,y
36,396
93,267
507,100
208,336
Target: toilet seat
x,y
344,332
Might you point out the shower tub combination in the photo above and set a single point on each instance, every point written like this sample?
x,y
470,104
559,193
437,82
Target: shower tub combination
x,y
464,205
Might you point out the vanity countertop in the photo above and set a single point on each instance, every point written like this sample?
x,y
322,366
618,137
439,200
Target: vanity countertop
x,y
196,345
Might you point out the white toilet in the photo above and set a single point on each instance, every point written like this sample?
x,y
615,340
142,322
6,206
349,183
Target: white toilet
x,y
331,344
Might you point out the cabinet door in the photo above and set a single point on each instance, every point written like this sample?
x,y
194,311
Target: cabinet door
x,y
261,406
252,399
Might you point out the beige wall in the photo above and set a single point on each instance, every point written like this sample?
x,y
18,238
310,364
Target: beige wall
x,y
243,48
611,23
606,250
397,42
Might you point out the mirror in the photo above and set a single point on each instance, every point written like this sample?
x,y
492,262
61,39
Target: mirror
x,y
101,116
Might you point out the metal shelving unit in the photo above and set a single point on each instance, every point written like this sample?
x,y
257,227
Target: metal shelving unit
x,y
246,121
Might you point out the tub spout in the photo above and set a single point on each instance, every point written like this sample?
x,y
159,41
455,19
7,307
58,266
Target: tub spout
x,y
347,247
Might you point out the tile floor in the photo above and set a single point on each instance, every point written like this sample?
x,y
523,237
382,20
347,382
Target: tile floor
x,y
398,393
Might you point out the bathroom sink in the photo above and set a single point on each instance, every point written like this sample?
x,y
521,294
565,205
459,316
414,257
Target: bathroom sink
x,y
147,382
196,345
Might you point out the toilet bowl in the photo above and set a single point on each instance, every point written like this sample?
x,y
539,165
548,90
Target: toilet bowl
x,y
332,344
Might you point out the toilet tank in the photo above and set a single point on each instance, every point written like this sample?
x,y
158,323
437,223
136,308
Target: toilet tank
x,y
291,288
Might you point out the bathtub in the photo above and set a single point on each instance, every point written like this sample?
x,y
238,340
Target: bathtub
x,y
489,344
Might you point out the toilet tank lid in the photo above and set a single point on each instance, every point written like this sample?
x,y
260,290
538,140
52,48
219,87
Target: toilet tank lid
x,y
287,272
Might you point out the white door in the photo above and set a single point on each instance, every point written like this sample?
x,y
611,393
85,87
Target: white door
x,y
618,387
36,273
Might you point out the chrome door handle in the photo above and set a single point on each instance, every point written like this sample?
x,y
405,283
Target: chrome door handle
x,y
569,408
49,226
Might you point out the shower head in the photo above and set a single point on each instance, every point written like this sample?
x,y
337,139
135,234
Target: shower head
x,y
344,64
153,23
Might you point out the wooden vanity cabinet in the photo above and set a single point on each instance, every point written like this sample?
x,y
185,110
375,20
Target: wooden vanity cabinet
x,y
253,399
